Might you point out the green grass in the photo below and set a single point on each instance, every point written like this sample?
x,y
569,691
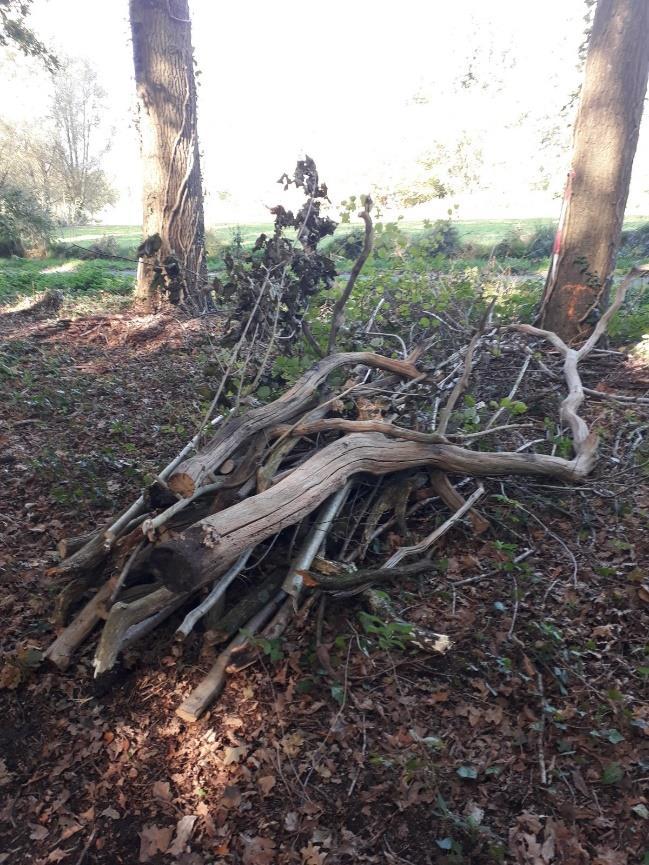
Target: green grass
x,y
79,280
479,231
112,278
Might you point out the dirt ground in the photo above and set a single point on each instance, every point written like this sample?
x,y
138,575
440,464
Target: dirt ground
x,y
527,743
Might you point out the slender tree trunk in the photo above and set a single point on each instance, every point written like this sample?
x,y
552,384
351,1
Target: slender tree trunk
x,y
172,259
605,141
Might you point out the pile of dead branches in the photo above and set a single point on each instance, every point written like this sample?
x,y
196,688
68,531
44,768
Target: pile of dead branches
x,y
306,480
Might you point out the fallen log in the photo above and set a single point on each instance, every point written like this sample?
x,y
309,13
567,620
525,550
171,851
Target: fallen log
x,y
190,474
62,649
209,547
67,546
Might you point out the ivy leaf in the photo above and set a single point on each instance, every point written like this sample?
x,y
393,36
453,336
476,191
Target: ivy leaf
x,y
614,737
612,774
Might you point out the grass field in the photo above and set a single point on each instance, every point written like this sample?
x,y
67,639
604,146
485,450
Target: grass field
x,y
483,232
113,277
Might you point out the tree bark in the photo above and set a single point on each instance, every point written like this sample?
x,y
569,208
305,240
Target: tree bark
x,y
605,141
172,259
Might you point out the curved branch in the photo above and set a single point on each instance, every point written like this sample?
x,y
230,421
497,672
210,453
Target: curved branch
x,y
210,546
584,441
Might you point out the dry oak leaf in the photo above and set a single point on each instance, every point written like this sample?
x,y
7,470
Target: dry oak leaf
x,y
606,856
291,744
231,797
184,829
10,676
312,855
234,755
154,839
162,790
5,774
266,784
258,850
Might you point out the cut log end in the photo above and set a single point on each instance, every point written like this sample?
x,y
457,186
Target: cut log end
x,y
182,484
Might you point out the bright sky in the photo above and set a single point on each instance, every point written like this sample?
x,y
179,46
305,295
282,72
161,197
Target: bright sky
x,y
366,88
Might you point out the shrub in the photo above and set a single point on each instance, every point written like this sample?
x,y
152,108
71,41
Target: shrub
x,y
511,246
438,238
24,223
87,279
104,247
346,244
635,241
540,243
520,244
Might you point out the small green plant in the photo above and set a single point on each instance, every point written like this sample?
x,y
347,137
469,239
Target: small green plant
x,y
388,635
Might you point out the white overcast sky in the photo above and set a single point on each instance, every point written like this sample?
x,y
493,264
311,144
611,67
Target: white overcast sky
x,y
366,88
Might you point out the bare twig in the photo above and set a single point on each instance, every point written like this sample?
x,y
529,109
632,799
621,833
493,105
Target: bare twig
x,y
189,622
542,768
337,316
463,381
428,541
512,393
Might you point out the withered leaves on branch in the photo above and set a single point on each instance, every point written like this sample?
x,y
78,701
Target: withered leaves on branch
x,y
272,283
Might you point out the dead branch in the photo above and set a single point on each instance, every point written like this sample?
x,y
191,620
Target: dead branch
x,y
463,381
415,635
62,649
210,688
211,545
120,619
352,579
441,485
584,442
428,541
190,474
338,313
190,620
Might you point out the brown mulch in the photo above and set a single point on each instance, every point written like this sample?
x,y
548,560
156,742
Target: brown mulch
x,y
347,752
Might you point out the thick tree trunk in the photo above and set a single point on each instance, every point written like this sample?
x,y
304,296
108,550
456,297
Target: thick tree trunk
x,y
605,141
172,260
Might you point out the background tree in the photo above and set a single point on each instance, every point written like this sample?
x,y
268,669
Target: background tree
x,y
25,217
605,141
174,260
80,140
15,31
